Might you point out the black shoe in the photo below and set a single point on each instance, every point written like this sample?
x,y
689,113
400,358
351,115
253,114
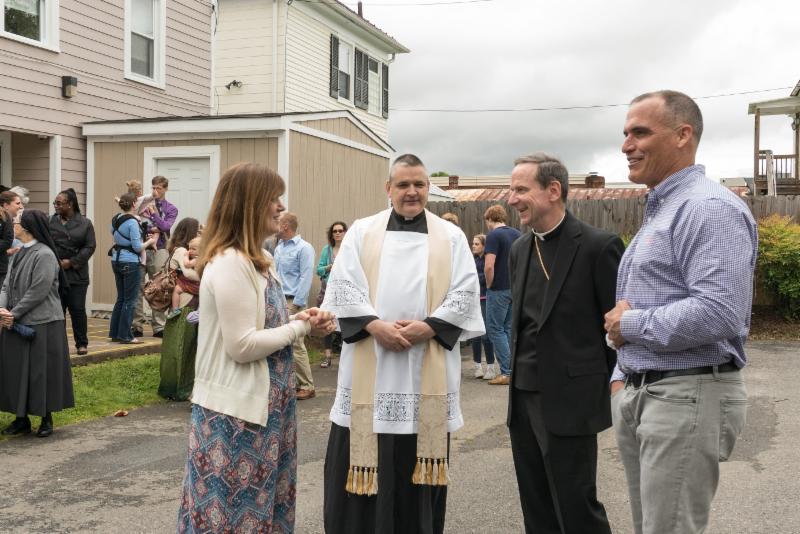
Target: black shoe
x,y
45,427
21,425
138,333
158,334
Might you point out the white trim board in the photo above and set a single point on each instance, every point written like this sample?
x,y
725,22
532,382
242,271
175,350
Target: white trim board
x,y
342,114
55,169
212,152
299,128
189,126
218,126
283,165
90,214
5,155
219,136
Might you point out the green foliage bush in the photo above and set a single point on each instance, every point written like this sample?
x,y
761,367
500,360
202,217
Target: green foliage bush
x,y
779,261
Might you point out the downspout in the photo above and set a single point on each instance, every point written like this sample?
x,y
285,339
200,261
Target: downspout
x,y
274,56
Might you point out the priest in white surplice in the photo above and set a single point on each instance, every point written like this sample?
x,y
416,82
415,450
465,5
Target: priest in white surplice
x,y
405,291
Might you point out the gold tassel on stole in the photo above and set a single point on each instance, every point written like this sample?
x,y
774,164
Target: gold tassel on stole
x,y
429,479
416,478
372,485
349,486
442,481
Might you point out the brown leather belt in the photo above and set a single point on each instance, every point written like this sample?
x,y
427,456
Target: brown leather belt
x,y
638,380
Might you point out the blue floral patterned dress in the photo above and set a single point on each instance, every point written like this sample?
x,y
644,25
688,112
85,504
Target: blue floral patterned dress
x,y
241,477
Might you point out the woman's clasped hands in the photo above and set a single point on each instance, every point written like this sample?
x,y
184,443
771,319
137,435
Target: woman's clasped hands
x,y
6,318
322,322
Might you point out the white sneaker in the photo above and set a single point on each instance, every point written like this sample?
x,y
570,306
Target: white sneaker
x,y
478,370
490,373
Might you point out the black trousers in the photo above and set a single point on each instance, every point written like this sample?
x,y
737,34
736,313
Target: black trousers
x,y
75,302
556,474
400,507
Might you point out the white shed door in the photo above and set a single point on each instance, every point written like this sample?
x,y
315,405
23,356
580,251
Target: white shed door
x,y
189,187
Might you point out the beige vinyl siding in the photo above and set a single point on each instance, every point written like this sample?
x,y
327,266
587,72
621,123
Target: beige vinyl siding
x,y
91,40
308,69
243,51
116,163
331,182
343,128
30,163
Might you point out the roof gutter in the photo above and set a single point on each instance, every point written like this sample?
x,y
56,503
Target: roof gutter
x,y
354,18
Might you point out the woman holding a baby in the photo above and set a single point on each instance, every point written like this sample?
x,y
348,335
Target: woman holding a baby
x,y
180,336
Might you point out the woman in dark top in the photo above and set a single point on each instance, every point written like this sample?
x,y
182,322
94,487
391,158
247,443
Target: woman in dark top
x,y
35,374
478,244
73,235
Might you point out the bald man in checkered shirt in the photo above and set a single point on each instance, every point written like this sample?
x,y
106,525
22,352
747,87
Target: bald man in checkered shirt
x,y
684,293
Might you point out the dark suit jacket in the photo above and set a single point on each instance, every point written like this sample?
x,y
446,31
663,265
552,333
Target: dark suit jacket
x,y
573,360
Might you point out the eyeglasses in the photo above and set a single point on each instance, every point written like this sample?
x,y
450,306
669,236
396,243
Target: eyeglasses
x,y
56,203
337,231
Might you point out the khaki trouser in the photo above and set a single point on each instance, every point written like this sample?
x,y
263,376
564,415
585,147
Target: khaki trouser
x,y
671,435
155,262
302,367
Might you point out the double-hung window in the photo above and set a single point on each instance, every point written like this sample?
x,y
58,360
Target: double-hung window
x,y
145,28
368,77
341,69
30,21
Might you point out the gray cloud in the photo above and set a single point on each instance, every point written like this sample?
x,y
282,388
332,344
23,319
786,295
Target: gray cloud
x,y
512,54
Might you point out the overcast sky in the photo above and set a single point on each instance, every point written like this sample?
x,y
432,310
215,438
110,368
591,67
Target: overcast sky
x,y
532,53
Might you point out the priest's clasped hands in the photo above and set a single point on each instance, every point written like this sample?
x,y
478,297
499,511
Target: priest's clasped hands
x,y
322,322
399,336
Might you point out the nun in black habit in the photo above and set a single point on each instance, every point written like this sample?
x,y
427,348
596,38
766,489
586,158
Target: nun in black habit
x,y
35,374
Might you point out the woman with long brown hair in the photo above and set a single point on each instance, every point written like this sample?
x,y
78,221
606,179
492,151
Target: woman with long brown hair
x,y
243,411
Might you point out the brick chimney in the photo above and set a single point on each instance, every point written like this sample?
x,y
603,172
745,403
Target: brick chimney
x,y
361,10
452,182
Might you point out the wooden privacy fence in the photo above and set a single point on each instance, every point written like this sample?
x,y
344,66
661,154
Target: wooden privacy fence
x,y
622,216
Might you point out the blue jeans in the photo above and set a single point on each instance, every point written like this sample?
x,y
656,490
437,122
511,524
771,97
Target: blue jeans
x,y
484,339
127,277
498,326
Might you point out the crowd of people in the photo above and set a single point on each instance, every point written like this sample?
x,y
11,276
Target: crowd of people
x,y
586,333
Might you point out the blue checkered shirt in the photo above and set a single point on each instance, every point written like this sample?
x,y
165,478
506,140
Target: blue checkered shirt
x,y
688,277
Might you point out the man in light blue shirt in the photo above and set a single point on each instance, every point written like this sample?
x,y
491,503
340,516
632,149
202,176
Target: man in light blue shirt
x,y
294,259
684,293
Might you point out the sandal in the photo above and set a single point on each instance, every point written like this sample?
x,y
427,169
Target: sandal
x,y
82,351
326,362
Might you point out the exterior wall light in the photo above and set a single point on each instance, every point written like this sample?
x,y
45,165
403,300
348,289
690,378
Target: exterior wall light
x,y
69,86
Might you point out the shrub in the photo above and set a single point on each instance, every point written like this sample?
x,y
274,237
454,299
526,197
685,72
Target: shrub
x,y
779,261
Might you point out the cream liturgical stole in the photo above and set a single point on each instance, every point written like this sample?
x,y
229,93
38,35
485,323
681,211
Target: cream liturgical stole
x,y
431,468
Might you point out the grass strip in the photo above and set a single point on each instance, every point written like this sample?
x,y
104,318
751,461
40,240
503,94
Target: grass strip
x,y
103,388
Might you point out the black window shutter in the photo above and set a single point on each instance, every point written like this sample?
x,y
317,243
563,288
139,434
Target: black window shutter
x,y
334,80
385,91
361,85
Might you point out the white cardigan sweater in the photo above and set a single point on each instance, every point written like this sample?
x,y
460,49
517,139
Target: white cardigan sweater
x,y
231,374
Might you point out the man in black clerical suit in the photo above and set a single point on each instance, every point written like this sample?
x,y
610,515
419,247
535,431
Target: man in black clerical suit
x,y
563,279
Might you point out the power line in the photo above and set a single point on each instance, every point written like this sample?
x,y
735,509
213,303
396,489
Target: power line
x,y
401,4
562,108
